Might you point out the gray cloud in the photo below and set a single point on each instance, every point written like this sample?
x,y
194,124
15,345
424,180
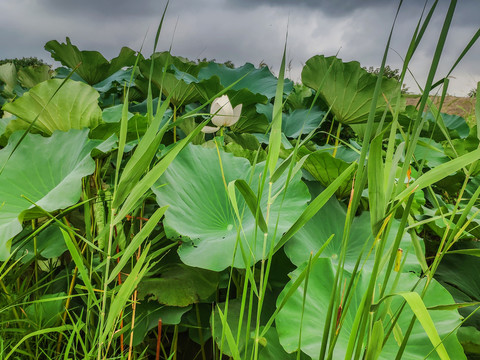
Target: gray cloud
x,y
102,8
246,31
331,7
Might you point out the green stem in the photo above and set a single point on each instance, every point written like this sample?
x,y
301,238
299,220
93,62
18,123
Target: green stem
x,y
200,332
337,139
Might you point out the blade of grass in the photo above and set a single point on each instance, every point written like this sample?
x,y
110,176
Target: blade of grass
x,y
137,241
275,139
314,206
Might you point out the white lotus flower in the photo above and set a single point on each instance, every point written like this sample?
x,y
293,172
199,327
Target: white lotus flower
x,y
223,114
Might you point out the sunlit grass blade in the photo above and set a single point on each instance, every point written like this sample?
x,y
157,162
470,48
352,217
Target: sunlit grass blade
x,y
77,258
58,329
252,202
374,347
467,48
275,139
376,191
314,206
151,177
229,336
123,295
439,172
417,306
141,158
137,241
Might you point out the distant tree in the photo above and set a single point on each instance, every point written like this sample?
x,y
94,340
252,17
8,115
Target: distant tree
x,y
229,64
472,93
389,73
26,61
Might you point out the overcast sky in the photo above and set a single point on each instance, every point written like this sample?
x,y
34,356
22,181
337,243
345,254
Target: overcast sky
x,y
247,31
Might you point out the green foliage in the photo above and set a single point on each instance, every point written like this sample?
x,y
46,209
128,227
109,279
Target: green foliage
x,y
127,232
53,105
24,62
348,89
91,66
44,173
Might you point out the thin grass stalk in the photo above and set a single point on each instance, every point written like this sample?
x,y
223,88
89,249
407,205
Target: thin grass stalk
x,y
309,264
67,305
339,272
159,339
361,176
428,85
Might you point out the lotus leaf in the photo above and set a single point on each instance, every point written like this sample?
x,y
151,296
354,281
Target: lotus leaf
x,y
320,284
50,244
330,220
348,88
269,345
8,75
117,79
456,273
179,285
201,214
93,66
257,81
47,171
182,89
30,76
298,122
75,106
47,312
430,151
149,313
325,168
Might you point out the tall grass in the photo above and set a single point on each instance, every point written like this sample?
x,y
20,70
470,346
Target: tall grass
x,y
108,258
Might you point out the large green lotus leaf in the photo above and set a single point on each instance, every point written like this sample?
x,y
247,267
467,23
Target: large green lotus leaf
x,y
299,97
459,274
94,67
299,121
211,85
46,312
148,313
469,337
29,76
8,75
50,244
271,349
233,320
258,81
47,171
456,126
182,92
179,285
269,345
464,146
432,152
75,106
347,88
320,284
201,213
325,168
116,81
330,220
251,121
345,153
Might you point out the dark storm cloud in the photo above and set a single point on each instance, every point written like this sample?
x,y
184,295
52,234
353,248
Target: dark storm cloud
x,y
332,7
102,8
246,30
